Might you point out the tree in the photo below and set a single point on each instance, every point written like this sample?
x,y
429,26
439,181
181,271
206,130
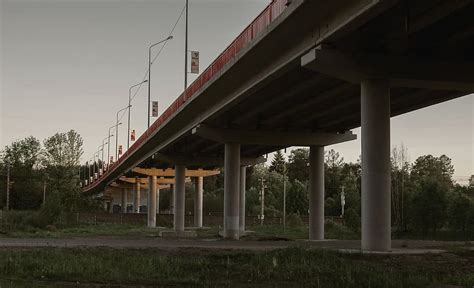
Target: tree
x,y
23,158
400,178
278,163
333,174
428,205
459,211
297,199
439,168
298,165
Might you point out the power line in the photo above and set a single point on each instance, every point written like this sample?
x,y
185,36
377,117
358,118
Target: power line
x,y
159,52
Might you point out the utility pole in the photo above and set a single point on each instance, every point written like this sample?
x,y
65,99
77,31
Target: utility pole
x,y
262,201
44,192
343,201
186,49
8,186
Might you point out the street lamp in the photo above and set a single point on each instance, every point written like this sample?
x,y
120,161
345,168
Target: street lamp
x,y
130,108
108,144
149,75
117,131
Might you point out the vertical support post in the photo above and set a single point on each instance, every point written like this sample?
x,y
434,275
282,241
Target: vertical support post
x,y
172,198
152,186
243,174
124,200
375,123
137,201
179,203
231,190
198,202
157,199
316,193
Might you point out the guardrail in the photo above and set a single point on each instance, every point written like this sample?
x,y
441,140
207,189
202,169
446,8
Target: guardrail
x,y
270,13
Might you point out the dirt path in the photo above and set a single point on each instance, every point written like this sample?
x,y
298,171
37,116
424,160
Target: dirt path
x,y
399,246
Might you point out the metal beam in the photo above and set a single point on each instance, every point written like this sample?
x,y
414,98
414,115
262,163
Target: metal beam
x,y
271,138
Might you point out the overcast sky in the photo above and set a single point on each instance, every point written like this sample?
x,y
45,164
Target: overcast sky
x,y
68,64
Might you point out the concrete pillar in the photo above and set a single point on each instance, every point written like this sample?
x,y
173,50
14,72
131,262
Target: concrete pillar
x,y
316,193
243,174
136,205
198,202
375,123
152,186
179,197
171,199
231,190
124,200
157,200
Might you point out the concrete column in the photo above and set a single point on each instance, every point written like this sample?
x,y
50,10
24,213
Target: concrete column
x,y
152,186
375,122
124,200
198,202
316,193
243,174
231,190
136,205
171,199
157,201
179,197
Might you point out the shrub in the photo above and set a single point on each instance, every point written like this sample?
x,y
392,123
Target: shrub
x,y
352,220
294,220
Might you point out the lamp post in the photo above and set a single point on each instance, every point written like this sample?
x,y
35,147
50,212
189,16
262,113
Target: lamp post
x,y
103,145
108,144
117,131
149,75
130,108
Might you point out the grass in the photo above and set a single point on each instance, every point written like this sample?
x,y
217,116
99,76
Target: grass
x,y
197,267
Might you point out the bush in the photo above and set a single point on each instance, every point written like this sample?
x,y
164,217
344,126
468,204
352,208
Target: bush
x,y
294,220
334,230
352,220
459,210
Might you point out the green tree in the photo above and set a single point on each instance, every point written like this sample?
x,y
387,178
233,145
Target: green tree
x,y
333,178
428,205
278,163
439,168
23,157
297,199
298,165
459,211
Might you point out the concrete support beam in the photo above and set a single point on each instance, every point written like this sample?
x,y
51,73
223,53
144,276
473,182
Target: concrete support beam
x,y
375,120
179,198
124,200
402,71
231,191
136,204
203,161
152,201
243,174
198,201
273,138
316,193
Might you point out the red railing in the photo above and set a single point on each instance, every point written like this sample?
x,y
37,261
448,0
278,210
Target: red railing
x,y
271,12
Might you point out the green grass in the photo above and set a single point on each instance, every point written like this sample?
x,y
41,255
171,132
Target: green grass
x,y
278,268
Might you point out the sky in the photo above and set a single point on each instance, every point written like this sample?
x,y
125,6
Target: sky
x,y
68,64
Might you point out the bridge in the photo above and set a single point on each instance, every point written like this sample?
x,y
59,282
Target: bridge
x,y
304,73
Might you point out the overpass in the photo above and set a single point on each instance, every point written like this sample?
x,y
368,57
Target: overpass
x,y
304,73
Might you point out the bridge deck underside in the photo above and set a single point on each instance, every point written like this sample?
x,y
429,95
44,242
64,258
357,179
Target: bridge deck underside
x,y
306,101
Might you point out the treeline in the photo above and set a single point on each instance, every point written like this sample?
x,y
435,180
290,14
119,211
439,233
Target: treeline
x,y
35,167
425,198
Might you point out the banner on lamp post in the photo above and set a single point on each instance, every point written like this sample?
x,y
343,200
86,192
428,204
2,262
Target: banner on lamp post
x,y
132,135
154,109
120,150
195,62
